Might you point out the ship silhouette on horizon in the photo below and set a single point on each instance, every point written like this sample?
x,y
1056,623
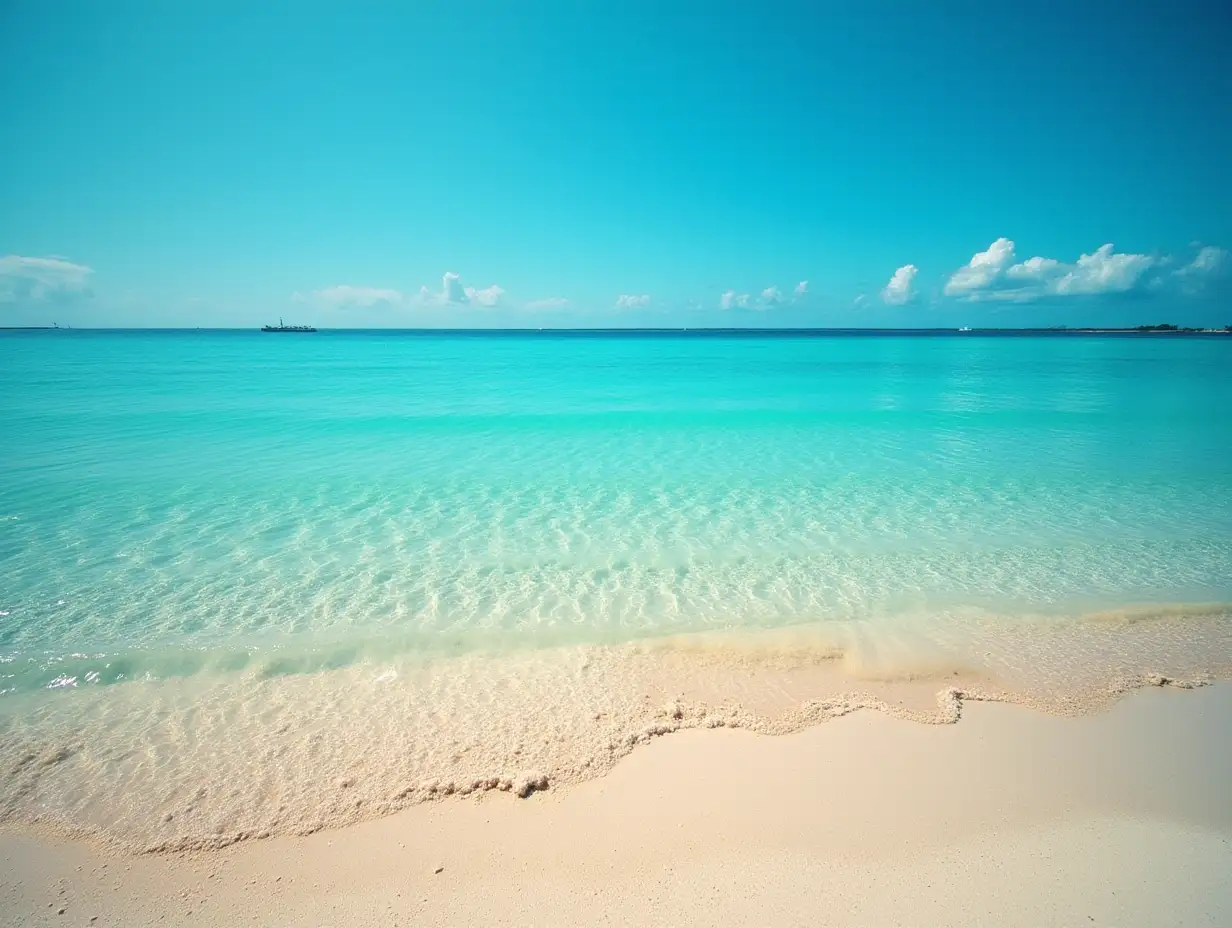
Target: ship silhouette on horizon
x,y
286,328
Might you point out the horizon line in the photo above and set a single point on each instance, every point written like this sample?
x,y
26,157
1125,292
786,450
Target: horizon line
x,y
1142,329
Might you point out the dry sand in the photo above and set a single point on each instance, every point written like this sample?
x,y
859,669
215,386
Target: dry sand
x,y
1011,817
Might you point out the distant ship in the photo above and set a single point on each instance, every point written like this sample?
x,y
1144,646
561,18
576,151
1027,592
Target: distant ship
x,y
286,328
965,328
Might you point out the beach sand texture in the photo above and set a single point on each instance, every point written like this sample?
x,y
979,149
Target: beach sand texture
x,y
1009,818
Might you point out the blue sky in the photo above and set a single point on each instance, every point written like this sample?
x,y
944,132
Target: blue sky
x,y
472,164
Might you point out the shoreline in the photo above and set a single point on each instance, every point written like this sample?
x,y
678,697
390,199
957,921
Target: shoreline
x,y
191,765
1011,817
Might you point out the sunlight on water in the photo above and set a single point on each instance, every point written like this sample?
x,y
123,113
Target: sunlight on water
x,y
167,493
436,540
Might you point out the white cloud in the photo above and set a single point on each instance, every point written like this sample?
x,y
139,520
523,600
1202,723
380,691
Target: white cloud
x,y
771,296
551,302
24,278
983,268
632,301
1209,258
1033,269
345,295
1209,261
1103,272
454,292
860,300
489,296
901,287
993,275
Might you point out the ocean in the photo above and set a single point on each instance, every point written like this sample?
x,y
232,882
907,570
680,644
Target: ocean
x,y
225,537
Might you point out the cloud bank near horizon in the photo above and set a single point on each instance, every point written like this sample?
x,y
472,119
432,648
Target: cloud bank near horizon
x,y
995,275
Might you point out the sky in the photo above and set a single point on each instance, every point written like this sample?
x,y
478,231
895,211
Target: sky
x,y
690,163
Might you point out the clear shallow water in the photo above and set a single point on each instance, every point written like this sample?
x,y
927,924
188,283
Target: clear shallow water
x,y
329,576
172,503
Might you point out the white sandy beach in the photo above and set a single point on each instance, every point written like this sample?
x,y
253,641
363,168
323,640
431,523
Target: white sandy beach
x,y
1010,817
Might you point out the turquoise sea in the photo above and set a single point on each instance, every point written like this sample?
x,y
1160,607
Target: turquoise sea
x,y
254,584
191,500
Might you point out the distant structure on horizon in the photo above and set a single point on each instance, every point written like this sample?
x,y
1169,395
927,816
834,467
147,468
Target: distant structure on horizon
x,y
286,328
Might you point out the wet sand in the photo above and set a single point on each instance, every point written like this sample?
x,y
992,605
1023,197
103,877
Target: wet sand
x,y
207,761
1010,817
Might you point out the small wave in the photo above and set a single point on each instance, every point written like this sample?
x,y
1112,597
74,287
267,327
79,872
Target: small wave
x,y
921,645
281,746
